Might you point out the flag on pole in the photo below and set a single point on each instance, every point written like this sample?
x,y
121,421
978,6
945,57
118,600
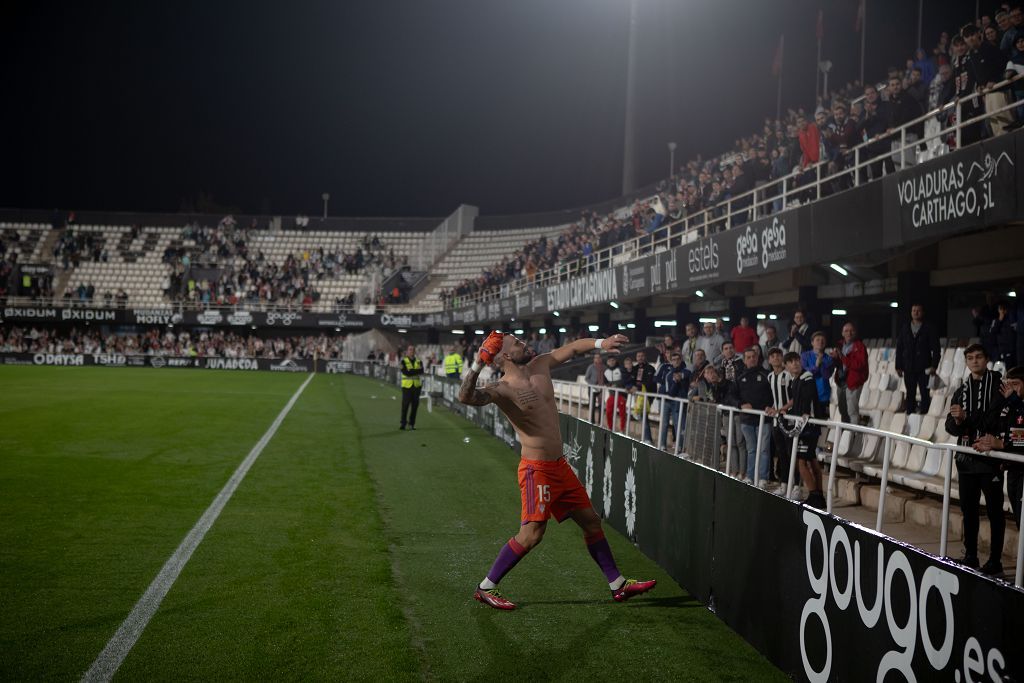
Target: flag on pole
x,y
819,31
777,62
859,23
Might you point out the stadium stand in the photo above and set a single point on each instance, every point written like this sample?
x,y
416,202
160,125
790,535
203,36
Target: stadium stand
x,y
311,269
131,264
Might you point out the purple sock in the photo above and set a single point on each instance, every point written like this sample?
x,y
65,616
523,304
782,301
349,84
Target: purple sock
x,y
602,554
509,557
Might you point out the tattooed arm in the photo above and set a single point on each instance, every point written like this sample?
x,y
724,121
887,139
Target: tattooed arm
x,y
472,395
566,353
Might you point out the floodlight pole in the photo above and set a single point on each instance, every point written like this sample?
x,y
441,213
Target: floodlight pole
x,y
671,159
326,196
628,172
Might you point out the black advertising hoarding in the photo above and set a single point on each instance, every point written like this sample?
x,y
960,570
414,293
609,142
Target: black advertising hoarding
x,y
827,600
968,189
847,224
663,270
121,360
238,317
823,599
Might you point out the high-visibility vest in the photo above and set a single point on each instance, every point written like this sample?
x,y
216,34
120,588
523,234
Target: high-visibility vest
x,y
411,381
453,364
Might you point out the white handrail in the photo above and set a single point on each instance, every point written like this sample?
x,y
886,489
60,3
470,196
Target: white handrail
x,y
889,437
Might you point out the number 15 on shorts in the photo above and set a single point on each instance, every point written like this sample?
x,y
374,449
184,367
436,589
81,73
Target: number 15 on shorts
x,y
544,492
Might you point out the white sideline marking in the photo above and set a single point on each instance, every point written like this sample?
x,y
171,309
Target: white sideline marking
x,y
110,659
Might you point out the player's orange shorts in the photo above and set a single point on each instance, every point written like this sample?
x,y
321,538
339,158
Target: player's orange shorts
x,y
550,489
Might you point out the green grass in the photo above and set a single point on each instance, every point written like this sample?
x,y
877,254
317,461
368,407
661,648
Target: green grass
x,y
350,551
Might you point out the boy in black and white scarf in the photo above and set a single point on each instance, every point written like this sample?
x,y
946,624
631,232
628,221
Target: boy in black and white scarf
x,y
967,419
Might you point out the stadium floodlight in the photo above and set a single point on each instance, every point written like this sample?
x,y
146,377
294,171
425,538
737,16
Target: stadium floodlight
x,y
725,318
593,328
543,330
761,316
562,330
337,329
773,317
621,326
708,320
838,311
1012,293
839,269
458,332
613,304
518,332
664,323
402,330
630,326
479,331
699,293
894,304
555,313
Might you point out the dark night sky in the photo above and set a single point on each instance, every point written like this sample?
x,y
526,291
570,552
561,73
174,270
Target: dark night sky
x,y
399,108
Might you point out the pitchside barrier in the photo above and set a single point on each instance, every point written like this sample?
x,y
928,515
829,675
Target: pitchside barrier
x,y
823,598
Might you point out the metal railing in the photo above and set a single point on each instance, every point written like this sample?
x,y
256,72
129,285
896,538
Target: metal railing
x,y
571,396
767,199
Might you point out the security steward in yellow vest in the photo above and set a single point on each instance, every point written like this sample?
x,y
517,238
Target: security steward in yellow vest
x,y
412,384
453,364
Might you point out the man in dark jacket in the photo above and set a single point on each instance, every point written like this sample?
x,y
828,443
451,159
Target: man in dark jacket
x,y
644,383
711,388
1003,337
873,128
753,392
967,419
673,381
917,357
1005,425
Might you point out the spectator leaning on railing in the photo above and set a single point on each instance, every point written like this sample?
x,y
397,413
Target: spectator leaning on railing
x,y
1005,427
778,383
977,475
616,377
754,392
673,381
803,393
851,372
987,65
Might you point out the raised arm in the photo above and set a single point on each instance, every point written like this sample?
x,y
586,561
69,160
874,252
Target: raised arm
x,y
566,353
471,394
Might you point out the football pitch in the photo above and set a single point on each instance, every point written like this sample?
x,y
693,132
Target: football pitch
x,y
350,550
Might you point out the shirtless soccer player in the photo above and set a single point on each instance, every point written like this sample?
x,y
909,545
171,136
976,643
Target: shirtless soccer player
x,y
548,486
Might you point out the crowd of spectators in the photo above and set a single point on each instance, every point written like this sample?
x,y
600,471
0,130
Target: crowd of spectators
x,y
168,343
977,57
86,294
245,276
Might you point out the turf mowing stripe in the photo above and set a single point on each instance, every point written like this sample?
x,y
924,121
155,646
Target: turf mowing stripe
x,y
110,659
